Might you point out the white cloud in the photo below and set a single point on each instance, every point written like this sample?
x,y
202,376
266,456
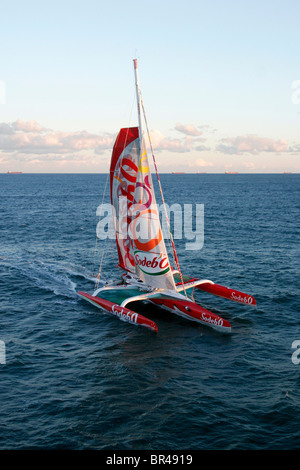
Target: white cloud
x,y
27,126
183,144
28,137
161,142
202,148
188,129
30,143
251,144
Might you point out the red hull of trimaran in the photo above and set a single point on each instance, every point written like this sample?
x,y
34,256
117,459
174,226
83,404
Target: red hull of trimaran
x,y
194,312
223,291
228,293
184,308
122,312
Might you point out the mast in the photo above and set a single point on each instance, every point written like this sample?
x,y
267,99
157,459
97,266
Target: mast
x,y
140,106
138,100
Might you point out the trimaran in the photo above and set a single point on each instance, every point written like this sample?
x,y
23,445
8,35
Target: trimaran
x,y
148,274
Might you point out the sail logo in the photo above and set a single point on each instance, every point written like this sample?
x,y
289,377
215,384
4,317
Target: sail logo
x,y
151,263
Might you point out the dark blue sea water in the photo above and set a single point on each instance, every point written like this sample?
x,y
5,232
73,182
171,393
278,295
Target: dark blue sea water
x,y
77,378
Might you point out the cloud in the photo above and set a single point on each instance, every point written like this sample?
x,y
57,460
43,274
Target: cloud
x,y
183,144
27,126
28,137
26,140
251,144
29,142
161,142
187,129
295,149
6,129
202,148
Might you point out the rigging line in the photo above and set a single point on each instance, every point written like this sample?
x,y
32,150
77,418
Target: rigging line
x,y
163,199
103,253
168,239
95,249
111,250
100,210
100,266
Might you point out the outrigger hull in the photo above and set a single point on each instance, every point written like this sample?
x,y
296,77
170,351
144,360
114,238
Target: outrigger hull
x,y
192,311
122,313
215,289
228,293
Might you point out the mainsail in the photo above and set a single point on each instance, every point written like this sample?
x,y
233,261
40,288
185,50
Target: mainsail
x,y
139,237
123,173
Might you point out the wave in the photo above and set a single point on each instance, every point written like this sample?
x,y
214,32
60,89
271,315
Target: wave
x,y
59,278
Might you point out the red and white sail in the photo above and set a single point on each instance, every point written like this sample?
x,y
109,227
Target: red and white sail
x,y
139,237
140,242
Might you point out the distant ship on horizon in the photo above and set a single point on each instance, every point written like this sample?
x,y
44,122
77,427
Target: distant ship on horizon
x,y
178,172
14,172
231,172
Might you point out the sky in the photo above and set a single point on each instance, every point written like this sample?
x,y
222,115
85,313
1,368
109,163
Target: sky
x,y
220,82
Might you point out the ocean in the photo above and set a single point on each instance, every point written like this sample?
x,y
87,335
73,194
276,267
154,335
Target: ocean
x,y
74,377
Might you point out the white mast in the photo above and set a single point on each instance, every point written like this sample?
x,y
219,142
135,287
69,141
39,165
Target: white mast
x,y
139,101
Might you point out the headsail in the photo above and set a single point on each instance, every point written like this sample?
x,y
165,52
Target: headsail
x,y
140,243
